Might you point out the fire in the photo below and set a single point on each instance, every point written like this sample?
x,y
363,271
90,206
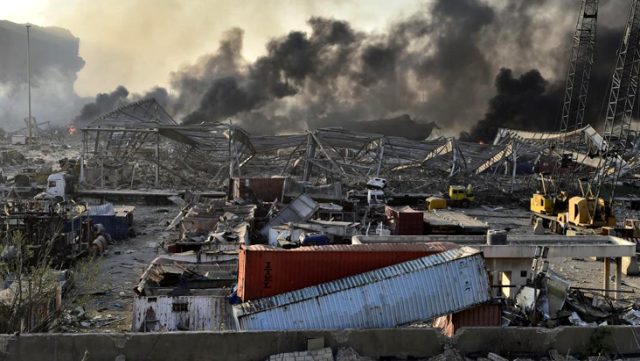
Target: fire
x,y
71,129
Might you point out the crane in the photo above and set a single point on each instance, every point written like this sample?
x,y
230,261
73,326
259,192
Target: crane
x,y
590,209
554,200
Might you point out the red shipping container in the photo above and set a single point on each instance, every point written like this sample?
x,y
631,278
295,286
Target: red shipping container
x,y
405,221
268,271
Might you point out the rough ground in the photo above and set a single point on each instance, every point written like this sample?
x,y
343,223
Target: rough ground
x,y
106,286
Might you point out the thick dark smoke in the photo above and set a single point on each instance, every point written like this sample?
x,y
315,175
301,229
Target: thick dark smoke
x,y
103,103
529,102
54,65
526,102
336,73
450,63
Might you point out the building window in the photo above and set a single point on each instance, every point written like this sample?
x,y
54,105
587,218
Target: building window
x,y
523,274
180,307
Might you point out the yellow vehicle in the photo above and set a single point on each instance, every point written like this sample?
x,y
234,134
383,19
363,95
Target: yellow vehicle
x,y
436,203
545,204
461,196
586,212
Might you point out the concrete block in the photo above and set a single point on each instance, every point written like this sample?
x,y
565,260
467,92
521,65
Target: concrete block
x,y
315,343
495,357
324,354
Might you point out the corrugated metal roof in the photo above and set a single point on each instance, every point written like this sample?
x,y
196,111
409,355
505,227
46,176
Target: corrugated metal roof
x,y
373,247
300,209
407,292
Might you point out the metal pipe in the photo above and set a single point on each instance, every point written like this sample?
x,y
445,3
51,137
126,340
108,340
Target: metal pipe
x,y
601,290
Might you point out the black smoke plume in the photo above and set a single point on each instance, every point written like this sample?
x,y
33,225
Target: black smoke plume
x,y
449,63
529,102
103,103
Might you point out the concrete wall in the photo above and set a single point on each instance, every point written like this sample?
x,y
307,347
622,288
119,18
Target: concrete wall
x,y
402,343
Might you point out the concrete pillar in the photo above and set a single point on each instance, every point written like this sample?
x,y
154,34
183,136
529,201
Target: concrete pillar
x,y
157,182
496,281
618,277
309,157
606,276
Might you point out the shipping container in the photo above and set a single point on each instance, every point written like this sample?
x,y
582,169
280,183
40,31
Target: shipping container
x,y
267,271
408,292
405,221
487,315
117,221
210,311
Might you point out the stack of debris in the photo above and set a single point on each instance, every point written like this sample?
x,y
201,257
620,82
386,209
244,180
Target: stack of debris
x,y
212,225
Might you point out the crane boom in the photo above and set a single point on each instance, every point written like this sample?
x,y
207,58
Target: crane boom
x,y
579,71
622,100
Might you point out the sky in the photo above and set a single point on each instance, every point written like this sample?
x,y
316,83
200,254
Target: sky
x,y
143,41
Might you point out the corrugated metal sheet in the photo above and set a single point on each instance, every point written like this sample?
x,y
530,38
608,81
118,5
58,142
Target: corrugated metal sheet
x,y
183,313
300,209
408,292
267,271
106,209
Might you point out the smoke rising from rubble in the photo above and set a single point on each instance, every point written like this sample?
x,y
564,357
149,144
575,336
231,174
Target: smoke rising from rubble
x,y
450,63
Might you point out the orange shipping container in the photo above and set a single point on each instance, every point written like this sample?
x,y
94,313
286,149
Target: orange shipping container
x,y
268,271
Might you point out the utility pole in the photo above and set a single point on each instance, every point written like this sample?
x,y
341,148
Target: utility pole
x,y
29,81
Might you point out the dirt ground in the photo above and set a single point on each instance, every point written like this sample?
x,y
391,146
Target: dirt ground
x,y
106,289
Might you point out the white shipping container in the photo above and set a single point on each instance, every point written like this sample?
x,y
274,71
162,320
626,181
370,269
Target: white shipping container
x,y
417,290
209,312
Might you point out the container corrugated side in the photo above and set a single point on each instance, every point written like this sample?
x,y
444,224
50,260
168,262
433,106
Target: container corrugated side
x,y
194,313
411,291
268,271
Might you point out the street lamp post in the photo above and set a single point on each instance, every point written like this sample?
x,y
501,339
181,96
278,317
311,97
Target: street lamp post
x,y
29,80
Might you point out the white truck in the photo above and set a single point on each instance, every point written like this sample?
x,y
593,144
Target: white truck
x,y
60,186
375,193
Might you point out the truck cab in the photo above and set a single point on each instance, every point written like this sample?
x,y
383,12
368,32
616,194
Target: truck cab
x,y
60,186
461,195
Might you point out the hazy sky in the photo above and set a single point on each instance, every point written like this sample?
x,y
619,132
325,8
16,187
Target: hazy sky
x,y
137,43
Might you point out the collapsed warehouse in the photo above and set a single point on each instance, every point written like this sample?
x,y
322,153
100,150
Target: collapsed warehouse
x,y
334,229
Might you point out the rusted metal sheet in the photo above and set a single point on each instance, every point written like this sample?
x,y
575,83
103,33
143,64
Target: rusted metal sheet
x,y
268,271
405,220
209,312
412,291
264,189
486,315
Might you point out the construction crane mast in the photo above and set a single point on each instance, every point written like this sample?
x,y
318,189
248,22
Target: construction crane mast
x,y
579,70
621,103
554,198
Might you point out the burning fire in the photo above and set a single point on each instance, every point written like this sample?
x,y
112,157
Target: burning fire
x,y
71,129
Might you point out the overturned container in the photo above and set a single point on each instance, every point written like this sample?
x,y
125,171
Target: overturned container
x,y
408,292
268,271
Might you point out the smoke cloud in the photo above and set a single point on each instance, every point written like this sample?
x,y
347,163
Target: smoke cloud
x,y
450,63
54,66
